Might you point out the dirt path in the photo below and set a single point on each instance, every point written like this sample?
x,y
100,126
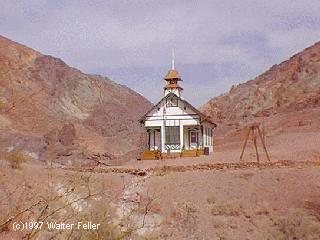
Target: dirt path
x,y
195,167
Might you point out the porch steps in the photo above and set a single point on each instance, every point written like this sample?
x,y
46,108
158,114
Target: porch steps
x,y
150,155
156,154
190,153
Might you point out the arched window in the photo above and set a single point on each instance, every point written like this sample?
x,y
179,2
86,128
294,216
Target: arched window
x,y
171,101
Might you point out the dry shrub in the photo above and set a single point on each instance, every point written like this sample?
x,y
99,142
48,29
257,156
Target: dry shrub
x,y
184,212
246,175
161,171
313,207
70,199
2,105
261,209
211,200
102,214
16,158
185,218
227,209
156,235
299,224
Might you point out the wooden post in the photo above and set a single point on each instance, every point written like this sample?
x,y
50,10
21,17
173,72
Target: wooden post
x,y
255,144
263,144
245,143
154,139
149,143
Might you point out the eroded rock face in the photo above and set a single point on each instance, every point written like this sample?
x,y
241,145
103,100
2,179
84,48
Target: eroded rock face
x,y
40,95
67,134
289,87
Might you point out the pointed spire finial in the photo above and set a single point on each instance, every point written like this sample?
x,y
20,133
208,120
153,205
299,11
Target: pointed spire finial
x,y
172,62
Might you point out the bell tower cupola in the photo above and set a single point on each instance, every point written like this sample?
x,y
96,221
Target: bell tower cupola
x,y
172,81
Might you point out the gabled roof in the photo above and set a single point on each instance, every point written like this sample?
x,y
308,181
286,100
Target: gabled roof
x,y
203,116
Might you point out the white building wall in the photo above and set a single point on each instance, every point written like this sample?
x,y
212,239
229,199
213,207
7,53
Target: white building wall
x,y
207,137
162,137
175,91
182,116
181,137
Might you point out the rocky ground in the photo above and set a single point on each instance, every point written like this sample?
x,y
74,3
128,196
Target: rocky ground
x,y
270,202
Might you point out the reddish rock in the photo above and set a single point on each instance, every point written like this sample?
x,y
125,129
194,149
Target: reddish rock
x,y
41,97
282,92
67,135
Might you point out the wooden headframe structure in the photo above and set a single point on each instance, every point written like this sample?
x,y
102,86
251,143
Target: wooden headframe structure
x,y
254,130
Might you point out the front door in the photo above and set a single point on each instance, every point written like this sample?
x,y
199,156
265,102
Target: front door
x,y
194,139
154,139
172,138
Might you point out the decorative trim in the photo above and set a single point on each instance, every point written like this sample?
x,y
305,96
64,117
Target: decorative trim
x,y
159,119
203,118
172,146
191,114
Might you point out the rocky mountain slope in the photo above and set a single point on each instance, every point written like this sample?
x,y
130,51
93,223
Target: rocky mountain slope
x,y
52,111
285,89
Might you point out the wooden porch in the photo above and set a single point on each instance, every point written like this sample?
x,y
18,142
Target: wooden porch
x,y
157,155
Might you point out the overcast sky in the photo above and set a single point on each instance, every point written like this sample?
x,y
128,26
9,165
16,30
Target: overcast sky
x,y
217,43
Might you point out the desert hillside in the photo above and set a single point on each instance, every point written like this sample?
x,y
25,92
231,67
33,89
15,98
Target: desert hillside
x,y
287,87
51,110
286,95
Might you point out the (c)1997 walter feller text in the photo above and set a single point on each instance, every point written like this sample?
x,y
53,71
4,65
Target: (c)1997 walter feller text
x,y
21,226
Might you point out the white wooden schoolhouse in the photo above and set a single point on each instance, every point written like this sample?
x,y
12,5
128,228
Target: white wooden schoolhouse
x,y
173,125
